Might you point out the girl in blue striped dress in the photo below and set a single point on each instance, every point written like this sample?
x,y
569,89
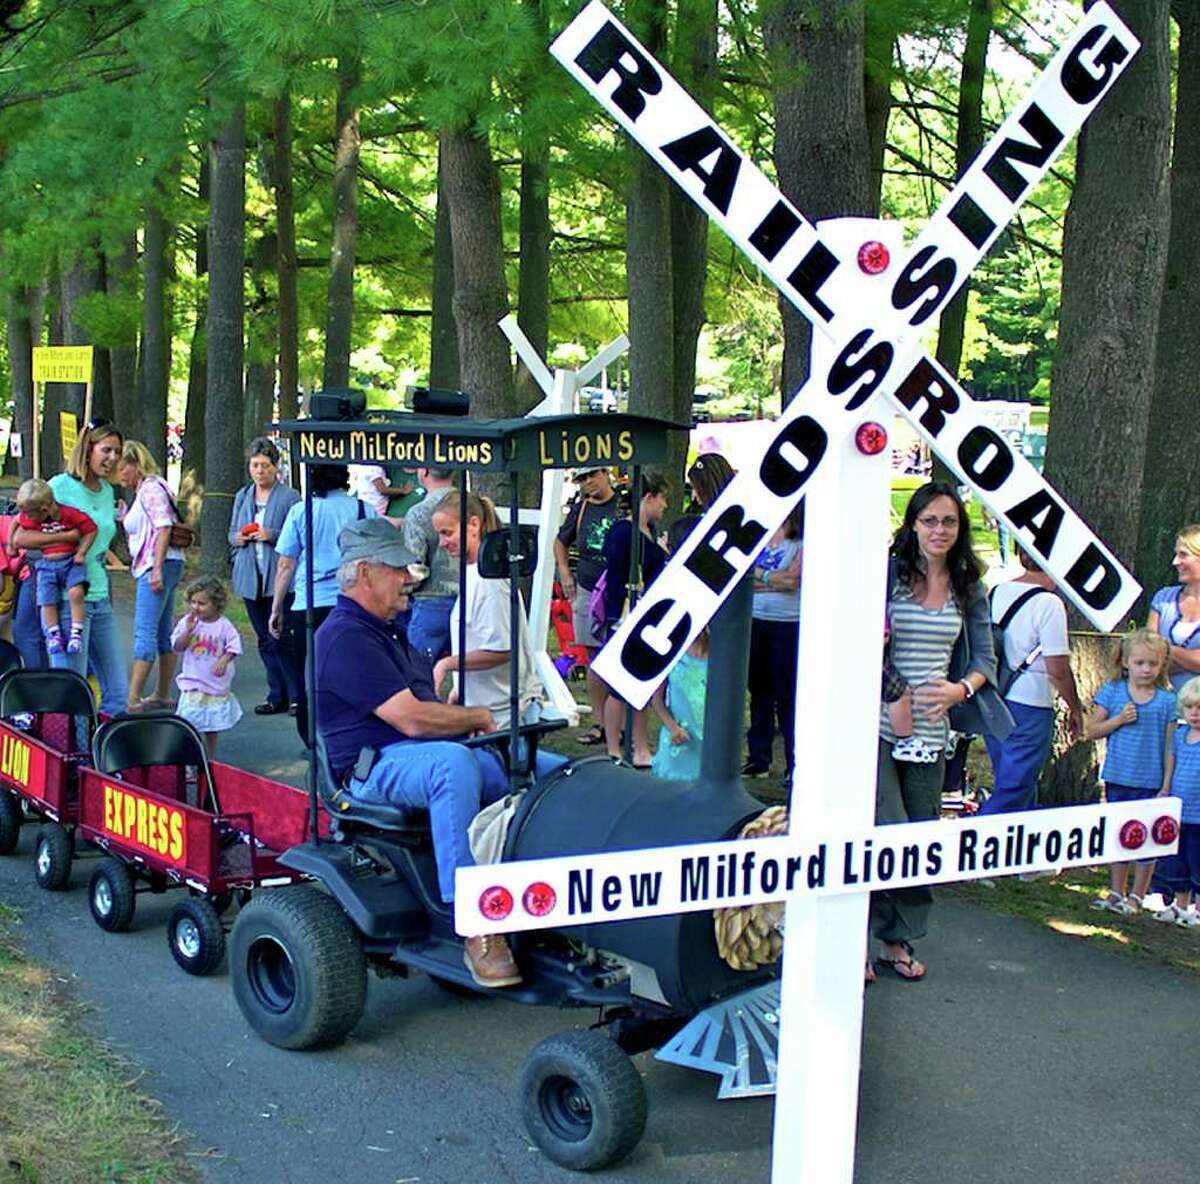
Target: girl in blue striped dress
x,y
1135,713
1181,778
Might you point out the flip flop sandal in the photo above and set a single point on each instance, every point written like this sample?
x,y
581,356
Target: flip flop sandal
x,y
899,966
594,735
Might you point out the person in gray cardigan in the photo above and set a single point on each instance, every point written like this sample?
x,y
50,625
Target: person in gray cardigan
x,y
258,513
941,643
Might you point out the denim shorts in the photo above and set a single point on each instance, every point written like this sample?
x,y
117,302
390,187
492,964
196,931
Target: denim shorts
x,y
56,576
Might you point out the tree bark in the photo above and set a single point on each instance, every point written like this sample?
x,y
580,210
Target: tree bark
x,y
20,361
285,263
880,54
262,333
649,268
472,188
195,450
79,281
816,54
1170,499
968,142
121,280
224,470
157,244
444,370
339,323
1114,254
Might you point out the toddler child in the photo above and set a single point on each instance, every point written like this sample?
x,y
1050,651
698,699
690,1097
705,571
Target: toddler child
x,y
1136,711
1181,871
209,643
58,566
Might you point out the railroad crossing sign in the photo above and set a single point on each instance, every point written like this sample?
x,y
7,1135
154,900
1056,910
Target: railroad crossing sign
x,y
834,854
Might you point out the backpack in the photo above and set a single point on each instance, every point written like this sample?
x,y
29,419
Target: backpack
x,y
1006,675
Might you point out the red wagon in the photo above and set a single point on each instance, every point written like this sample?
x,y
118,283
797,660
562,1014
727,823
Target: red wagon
x,y
167,818
47,720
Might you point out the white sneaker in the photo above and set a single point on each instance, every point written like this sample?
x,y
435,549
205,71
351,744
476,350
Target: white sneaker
x,y
916,750
1188,919
1155,902
1171,915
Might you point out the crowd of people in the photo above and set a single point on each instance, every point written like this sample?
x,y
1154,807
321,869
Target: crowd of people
x,y
386,549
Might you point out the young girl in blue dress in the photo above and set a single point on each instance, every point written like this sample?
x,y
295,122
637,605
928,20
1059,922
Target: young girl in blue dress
x,y
1136,713
1181,871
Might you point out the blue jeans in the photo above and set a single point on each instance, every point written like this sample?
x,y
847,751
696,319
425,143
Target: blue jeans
x,y
1017,760
449,780
152,612
102,649
27,626
280,692
429,625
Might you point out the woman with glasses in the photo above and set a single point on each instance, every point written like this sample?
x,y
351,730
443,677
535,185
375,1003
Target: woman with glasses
x,y
259,511
941,644
87,485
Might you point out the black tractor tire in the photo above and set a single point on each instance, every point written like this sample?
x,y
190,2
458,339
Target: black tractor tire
x,y
582,1100
10,822
195,936
52,856
298,968
111,897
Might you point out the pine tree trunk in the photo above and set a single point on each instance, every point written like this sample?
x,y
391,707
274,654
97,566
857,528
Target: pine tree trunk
x,y
285,230
444,370
880,51
20,361
533,282
224,470
816,51
967,144
1170,497
1114,255
339,323
194,447
79,281
262,333
649,268
121,279
151,423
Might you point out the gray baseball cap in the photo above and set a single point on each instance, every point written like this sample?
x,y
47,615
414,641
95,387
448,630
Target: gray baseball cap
x,y
377,541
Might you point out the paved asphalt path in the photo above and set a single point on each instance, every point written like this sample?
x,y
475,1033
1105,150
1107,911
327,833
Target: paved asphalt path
x,y
1025,1056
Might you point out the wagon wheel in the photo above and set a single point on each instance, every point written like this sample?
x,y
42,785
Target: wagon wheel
x,y
195,935
111,897
52,856
10,822
298,968
583,1102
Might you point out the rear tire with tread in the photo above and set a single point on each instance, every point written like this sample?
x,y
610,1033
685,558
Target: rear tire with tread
x,y
196,936
111,897
10,822
52,857
582,1100
298,968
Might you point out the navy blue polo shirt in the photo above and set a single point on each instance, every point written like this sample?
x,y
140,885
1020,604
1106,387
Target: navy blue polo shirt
x,y
361,664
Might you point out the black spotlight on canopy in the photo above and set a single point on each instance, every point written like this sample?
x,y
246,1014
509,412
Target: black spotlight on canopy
x,y
337,403
432,400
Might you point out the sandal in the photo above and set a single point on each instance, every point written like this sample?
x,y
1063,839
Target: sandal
x,y
906,969
594,735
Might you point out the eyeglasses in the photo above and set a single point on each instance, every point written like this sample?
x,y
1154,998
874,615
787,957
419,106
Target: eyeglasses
x,y
932,522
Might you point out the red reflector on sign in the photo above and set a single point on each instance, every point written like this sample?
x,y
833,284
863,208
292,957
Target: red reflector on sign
x,y
1165,830
873,258
1133,835
538,899
495,903
871,438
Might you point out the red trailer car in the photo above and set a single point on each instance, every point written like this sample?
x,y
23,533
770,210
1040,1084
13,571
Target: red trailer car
x,y
169,819
47,719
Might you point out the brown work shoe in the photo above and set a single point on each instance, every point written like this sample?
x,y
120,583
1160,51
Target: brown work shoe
x,y
490,961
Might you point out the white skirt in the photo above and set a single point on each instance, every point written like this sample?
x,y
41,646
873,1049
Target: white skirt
x,y
209,713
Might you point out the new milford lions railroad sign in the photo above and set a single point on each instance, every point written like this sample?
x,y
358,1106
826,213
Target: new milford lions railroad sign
x,y
834,855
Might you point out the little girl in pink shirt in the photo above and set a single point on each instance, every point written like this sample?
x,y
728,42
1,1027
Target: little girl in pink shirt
x,y
209,643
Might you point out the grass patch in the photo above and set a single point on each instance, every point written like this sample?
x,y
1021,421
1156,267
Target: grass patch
x,y
1064,905
71,1112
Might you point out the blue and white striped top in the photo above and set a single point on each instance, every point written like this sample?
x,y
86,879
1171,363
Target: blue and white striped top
x,y
1185,780
1133,754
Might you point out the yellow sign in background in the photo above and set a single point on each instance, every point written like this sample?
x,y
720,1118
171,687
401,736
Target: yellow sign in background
x,y
68,429
62,363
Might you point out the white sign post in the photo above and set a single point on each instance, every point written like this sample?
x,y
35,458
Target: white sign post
x,y
829,445
560,389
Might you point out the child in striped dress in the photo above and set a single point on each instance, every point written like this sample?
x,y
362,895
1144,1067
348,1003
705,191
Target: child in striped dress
x,y
1181,779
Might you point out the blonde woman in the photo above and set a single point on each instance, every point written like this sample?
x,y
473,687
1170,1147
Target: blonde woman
x,y
1175,610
